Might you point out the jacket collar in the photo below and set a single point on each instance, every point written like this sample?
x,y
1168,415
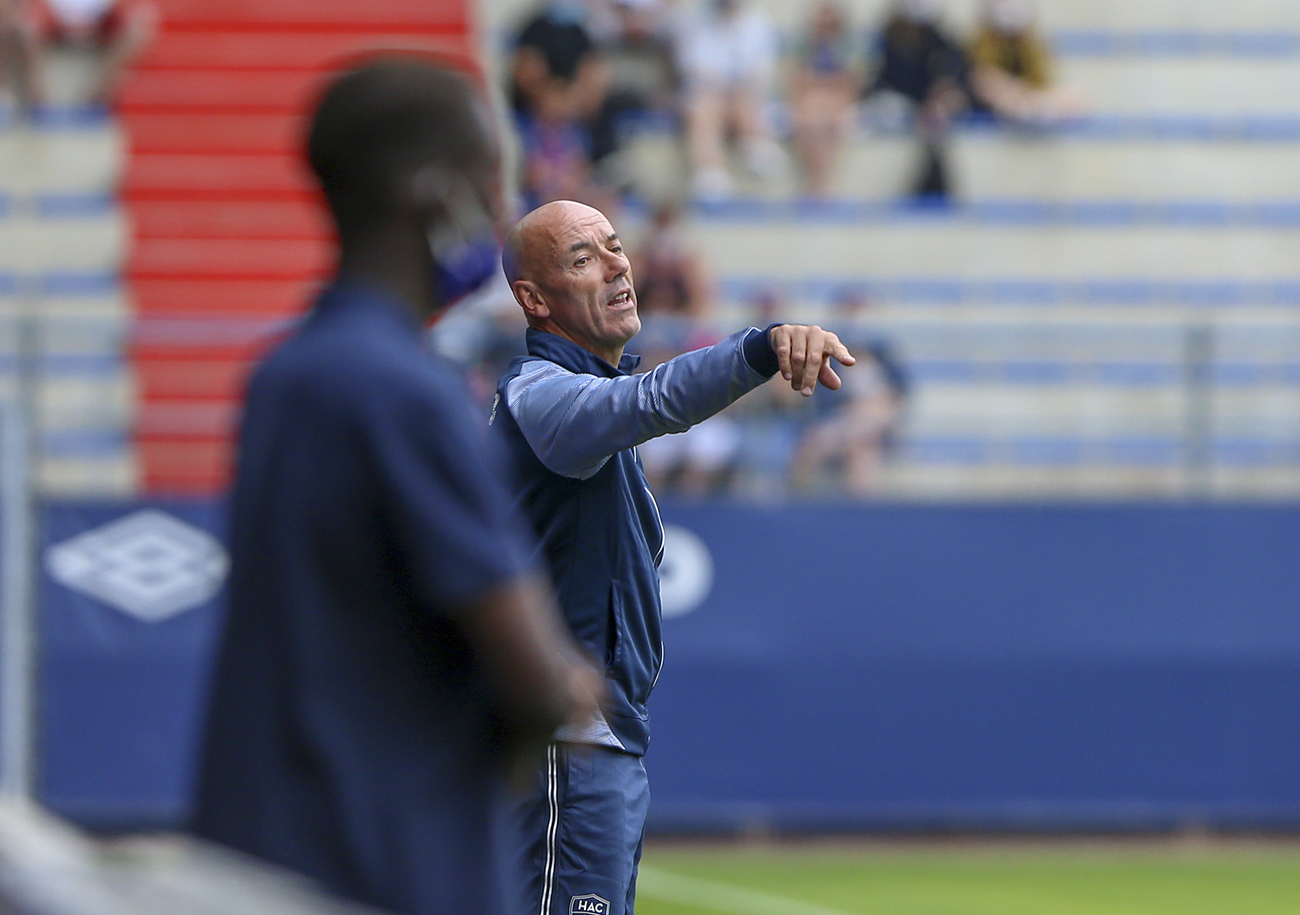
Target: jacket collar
x,y
573,357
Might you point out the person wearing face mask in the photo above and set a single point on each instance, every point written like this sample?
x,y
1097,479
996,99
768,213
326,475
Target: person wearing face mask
x,y
390,652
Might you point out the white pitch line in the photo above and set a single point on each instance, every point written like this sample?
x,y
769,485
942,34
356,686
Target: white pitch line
x,y
721,897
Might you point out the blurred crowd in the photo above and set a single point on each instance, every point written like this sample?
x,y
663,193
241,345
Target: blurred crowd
x,y
585,74
751,106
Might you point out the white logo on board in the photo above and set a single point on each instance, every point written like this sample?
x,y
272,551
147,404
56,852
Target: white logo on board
x,y
686,572
149,565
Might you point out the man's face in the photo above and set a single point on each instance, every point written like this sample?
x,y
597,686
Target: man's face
x,y
588,284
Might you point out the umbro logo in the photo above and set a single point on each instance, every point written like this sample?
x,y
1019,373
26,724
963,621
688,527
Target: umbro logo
x,y
150,565
591,904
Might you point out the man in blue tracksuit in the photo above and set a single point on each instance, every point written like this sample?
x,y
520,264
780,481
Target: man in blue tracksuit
x,y
571,415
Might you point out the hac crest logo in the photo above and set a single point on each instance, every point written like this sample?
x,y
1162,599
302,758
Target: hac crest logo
x,y
591,904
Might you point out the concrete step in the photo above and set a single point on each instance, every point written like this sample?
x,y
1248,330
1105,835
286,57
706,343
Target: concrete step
x,y
115,474
993,165
999,411
944,248
75,160
79,405
1209,85
1263,410
30,246
101,402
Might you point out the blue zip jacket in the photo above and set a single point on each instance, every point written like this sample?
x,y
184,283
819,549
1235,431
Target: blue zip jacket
x,y
571,423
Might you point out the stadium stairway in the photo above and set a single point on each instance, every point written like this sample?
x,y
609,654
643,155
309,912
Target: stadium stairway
x,y
1109,309
229,239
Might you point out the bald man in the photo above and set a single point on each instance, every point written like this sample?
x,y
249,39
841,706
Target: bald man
x,y
572,414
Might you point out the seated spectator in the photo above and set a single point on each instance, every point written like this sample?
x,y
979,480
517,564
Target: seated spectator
x,y
728,52
556,66
558,88
920,63
17,49
556,160
671,277
1012,67
843,451
823,94
118,30
643,74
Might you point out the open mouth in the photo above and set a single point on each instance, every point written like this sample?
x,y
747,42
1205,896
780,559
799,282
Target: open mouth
x,y
623,298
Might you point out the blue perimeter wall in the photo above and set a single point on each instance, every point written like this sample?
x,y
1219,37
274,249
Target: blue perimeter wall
x,y
863,667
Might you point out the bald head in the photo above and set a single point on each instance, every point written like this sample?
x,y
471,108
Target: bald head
x,y
566,267
531,243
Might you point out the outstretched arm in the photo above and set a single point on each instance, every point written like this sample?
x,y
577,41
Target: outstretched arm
x,y
574,422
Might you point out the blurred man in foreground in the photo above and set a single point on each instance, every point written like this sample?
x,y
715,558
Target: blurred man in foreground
x,y
572,416
388,650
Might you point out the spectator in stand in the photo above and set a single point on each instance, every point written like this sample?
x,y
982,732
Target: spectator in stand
x,y
1012,67
120,31
637,45
922,64
557,85
643,74
17,51
728,53
843,450
825,84
559,89
672,278
556,158
556,65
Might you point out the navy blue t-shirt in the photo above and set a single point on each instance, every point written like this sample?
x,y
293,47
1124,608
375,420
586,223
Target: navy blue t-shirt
x,y
349,734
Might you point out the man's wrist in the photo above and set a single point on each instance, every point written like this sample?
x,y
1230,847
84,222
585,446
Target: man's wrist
x,y
758,352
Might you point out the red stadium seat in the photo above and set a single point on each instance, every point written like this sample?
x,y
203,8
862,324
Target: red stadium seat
x,y
227,296
277,133
225,91
313,51
230,235
186,176
241,258
356,15
292,220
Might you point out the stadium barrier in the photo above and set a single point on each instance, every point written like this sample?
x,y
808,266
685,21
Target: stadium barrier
x,y
828,666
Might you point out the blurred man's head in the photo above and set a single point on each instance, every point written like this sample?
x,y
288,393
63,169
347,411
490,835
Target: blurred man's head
x,y
569,273
401,144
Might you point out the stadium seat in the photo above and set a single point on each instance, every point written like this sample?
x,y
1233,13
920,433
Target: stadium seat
x,y
229,235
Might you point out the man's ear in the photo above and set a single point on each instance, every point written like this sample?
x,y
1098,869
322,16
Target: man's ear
x,y
530,299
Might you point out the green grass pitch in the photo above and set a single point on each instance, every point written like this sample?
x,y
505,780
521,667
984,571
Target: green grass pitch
x,y
1118,877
